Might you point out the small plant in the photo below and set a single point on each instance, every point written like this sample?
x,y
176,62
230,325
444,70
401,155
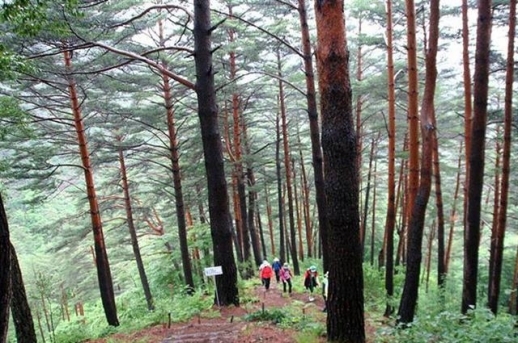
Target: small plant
x,y
275,316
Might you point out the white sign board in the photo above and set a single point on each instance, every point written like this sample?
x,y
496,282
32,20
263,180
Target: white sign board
x,y
211,271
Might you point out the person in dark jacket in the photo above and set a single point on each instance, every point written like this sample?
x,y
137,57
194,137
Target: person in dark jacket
x,y
311,280
276,265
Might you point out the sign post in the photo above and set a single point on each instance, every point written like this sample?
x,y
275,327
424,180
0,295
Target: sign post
x,y
213,271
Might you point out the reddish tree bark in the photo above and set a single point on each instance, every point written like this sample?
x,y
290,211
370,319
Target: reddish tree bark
x,y
416,224
174,157
476,157
345,319
316,150
390,222
288,171
101,257
497,253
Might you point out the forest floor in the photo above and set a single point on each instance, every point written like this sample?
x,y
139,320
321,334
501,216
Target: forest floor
x,y
231,327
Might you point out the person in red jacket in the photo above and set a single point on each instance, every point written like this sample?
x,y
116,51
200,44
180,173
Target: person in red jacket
x,y
265,273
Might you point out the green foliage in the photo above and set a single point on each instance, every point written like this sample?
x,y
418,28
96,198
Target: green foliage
x,y
276,316
479,325
133,316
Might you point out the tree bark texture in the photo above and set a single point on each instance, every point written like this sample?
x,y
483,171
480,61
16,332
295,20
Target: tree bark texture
x,y
476,157
5,273
252,201
390,221
495,277
417,219
132,229
101,257
314,129
468,102
280,201
220,221
413,109
287,169
345,319
174,157
453,214
22,316
441,269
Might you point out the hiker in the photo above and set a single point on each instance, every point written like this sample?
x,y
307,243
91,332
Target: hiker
x,y
311,280
276,265
325,286
285,276
265,273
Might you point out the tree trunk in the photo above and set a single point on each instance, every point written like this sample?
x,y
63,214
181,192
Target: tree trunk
x,y
441,269
314,130
495,277
431,237
220,222
270,222
390,221
476,157
359,140
177,176
132,229
288,171
373,225
363,224
494,224
453,215
252,198
345,319
468,105
297,212
101,257
21,311
282,252
413,110
305,203
416,224
5,273
513,303
238,161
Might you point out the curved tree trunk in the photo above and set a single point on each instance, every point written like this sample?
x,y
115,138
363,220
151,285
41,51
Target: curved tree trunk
x,y
345,319
220,222
101,257
416,224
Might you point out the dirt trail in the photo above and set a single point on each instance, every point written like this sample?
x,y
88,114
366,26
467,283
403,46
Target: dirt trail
x,y
231,328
